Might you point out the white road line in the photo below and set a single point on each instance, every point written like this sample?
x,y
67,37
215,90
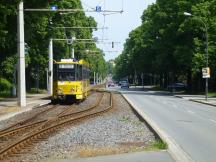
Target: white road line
x,y
191,112
212,120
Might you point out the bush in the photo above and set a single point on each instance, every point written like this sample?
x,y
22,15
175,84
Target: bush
x,y
35,90
5,85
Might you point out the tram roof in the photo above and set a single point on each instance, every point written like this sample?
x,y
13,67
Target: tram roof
x,y
71,61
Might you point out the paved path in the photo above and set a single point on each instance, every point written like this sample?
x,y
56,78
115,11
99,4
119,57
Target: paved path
x,y
199,98
9,107
190,126
161,156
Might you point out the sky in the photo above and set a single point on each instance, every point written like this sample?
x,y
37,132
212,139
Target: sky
x,y
118,25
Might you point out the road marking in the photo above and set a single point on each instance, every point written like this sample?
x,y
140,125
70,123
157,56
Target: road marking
x,y
191,112
214,121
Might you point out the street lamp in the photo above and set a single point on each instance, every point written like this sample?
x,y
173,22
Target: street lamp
x,y
187,14
206,33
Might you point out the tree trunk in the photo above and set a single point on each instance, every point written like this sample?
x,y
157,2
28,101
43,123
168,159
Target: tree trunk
x,y
189,81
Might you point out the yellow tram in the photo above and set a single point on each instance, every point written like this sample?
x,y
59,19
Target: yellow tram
x,y
70,80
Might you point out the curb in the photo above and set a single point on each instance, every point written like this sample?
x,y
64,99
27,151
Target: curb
x,y
202,102
197,101
5,117
42,104
175,150
178,97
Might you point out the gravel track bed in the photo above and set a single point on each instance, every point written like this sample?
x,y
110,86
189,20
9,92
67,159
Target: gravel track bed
x,y
117,131
21,117
27,114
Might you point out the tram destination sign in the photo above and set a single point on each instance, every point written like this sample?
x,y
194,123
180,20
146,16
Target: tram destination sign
x,y
66,66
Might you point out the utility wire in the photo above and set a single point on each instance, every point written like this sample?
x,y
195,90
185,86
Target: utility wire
x,y
104,22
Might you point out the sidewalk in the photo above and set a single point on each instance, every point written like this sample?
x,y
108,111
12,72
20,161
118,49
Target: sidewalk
x,y
160,156
9,107
199,98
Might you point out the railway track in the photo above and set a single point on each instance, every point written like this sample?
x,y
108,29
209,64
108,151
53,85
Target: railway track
x,y
31,118
17,128
31,121
58,111
16,142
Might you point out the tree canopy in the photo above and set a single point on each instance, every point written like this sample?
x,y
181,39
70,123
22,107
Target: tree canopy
x,y
169,46
39,28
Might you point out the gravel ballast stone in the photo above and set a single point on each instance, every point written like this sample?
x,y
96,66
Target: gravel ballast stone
x,y
118,131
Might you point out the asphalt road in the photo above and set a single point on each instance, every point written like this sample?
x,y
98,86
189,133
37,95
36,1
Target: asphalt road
x,y
191,125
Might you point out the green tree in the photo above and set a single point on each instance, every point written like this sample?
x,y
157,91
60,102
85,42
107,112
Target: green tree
x,y
169,46
39,28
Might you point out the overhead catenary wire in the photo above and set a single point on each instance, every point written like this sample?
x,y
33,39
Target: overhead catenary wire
x,y
104,19
106,46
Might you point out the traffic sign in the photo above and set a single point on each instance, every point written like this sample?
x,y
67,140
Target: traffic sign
x,y
98,9
206,72
95,39
112,44
54,8
70,41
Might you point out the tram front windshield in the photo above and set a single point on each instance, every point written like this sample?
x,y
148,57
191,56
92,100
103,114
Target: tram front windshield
x,y
66,72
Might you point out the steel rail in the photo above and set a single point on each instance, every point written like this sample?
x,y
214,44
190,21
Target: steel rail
x,y
58,117
26,120
35,135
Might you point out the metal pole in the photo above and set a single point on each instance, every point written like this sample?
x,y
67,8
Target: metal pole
x,y
206,59
206,33
206,79
80,27
94,77
14,81
97,78
72,53
69,10
51,67
21,58
47,78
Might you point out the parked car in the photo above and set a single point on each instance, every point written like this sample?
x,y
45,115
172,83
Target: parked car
x,y
111,84
119,83
125,84
176,86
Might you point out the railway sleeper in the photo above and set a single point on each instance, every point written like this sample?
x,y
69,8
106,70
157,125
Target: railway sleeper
x,y
29,142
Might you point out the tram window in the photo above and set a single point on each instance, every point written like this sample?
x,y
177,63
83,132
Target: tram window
x,y
70,77
55,72
85,71
87,74
78,72
66,76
